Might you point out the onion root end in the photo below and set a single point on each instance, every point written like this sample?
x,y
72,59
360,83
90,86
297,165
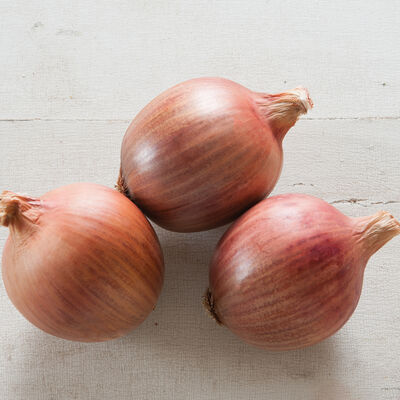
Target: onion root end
x,y
209,305
122,187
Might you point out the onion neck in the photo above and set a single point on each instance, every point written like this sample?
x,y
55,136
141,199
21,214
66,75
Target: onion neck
x,y
283,109
376,230
18,211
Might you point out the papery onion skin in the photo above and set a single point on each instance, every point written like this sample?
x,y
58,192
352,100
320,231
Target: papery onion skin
x,y
81,262
289,272
206,150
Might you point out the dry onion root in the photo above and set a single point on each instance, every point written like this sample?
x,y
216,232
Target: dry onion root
x,y
204,151
289,272
81,262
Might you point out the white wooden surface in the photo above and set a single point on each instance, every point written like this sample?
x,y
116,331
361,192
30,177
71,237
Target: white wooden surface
x,y
72,75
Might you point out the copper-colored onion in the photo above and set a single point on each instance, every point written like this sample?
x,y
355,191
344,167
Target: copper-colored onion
x,y
81,262
289,272
206,150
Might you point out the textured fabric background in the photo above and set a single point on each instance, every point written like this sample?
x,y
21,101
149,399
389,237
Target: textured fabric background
x,y
72,76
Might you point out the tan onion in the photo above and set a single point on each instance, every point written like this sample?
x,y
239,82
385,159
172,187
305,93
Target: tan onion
x,y
204,151
81,262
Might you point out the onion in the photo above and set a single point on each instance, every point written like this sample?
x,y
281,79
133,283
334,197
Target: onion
x,y
289,272
206,150
81,262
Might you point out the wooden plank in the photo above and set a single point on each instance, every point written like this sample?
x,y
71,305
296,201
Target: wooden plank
x,y
106,60
179,352
337,160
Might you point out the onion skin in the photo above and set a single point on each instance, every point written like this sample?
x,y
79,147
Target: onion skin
x,y
289,272
205,150
81,262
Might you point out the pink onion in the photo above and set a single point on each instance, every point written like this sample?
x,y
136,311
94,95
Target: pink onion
x,y
289,272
